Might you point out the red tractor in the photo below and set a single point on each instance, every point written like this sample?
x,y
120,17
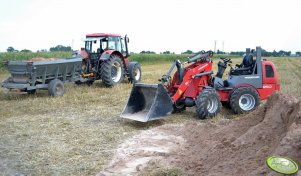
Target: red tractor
x,y
105,57
194,85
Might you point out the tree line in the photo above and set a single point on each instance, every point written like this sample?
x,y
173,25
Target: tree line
x,y
51,49
264,53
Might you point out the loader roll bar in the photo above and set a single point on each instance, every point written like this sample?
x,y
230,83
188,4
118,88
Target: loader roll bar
x,y
199,56
203,74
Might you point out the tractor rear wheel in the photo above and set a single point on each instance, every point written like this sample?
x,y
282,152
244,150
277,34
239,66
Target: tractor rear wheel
x,y
112,71
208,104
56,88
244,99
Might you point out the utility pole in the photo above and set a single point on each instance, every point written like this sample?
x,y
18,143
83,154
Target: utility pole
x,y
72,44
214,45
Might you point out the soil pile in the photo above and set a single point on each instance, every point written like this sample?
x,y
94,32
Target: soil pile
x,y
240,147
226,147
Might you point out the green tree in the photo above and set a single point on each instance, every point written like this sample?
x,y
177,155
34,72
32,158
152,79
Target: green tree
x,y
10,49
60,48
188,52
25,51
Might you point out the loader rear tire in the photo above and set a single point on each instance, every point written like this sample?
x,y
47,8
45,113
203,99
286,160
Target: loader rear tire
x,y
244,99
208,104
112,71
56,88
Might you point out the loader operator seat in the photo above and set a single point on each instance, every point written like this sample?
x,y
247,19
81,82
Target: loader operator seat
x,y
246,67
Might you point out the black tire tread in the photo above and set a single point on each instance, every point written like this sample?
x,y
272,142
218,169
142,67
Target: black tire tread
x,y
51,87
234,99
201,103
105,71
131,68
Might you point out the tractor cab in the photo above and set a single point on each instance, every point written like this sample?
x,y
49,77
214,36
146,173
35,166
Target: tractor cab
x,y
97,43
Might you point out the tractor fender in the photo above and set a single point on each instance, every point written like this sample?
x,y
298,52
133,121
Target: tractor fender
x,y
107,54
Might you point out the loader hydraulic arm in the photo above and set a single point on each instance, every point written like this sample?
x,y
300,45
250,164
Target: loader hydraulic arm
x,y
199,71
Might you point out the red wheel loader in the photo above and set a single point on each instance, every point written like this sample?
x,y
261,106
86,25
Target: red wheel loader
x,y
194,85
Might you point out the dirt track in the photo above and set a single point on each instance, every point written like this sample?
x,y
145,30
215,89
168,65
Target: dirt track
x,y
226,147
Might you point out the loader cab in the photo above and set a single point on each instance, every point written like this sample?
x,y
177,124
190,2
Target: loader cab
x,y
248,73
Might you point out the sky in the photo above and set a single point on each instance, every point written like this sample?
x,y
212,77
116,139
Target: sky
x,y
154,25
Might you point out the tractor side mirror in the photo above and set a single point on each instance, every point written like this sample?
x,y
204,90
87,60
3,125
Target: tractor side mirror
x,y
126,39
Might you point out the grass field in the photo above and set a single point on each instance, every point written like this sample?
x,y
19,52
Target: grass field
x,y
76,134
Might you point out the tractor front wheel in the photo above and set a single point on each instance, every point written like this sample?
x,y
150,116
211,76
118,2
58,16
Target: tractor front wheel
x,y
208,104
112,71
244,99
134,72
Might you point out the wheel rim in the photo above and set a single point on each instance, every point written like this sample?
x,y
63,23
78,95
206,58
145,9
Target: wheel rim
x,y
212,104
247,102
58,89
116,71
137,74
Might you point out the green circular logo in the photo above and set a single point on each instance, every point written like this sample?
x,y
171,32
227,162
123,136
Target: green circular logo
x,y
282,165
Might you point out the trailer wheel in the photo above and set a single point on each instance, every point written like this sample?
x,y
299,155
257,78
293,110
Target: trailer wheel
x,y
56,88
244,99
134,72
208,104
112,71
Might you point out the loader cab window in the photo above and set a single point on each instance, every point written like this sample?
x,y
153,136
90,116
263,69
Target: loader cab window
x,y
269,72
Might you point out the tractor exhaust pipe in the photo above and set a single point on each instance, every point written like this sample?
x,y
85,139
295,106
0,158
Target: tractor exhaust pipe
x,y
147,102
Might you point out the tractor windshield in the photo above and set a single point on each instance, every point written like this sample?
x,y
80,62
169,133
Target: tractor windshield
x,y
114,43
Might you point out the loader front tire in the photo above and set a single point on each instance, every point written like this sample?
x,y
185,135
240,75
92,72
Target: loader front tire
x,y
208,104
244,99
112,71
56,88
178,107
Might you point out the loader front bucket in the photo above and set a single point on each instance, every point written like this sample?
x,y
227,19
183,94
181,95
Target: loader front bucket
x,y
147,102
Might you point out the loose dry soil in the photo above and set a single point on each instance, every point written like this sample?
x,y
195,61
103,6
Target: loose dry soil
x,y
226,147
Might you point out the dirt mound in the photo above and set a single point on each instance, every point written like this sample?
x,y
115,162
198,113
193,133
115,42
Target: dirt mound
x,y
40,59
240,147
226,147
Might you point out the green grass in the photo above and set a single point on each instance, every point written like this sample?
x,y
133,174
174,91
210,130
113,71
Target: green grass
x,y
76,134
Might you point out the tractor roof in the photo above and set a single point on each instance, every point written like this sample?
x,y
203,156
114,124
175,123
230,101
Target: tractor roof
x,y
102,35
